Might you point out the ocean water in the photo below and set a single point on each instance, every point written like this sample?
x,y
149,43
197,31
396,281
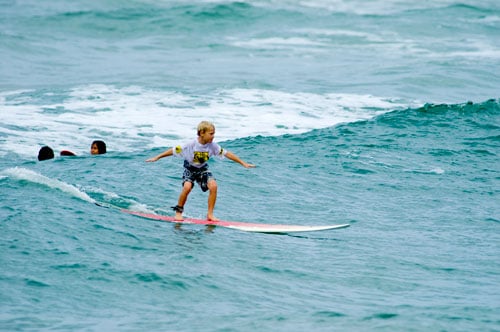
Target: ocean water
x,y
381,114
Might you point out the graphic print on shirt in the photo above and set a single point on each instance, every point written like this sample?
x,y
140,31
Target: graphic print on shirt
x,y
200,157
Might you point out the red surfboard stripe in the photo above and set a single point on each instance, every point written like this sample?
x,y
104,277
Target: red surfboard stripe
x,y
201,221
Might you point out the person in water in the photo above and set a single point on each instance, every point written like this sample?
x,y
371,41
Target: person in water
x,y
98,147
196,154
45,153
67,153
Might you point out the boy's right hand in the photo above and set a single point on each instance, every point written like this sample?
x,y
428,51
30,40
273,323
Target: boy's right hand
x,y
247,165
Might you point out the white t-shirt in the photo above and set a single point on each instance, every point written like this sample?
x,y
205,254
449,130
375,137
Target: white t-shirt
x,y
198,154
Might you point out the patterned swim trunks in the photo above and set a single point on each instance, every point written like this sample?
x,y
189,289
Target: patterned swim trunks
x,y
200,175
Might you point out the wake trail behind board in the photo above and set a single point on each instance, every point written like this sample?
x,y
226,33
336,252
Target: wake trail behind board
x,y
238,225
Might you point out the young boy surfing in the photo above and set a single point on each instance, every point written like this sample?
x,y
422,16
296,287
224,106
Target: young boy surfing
x,y
196,155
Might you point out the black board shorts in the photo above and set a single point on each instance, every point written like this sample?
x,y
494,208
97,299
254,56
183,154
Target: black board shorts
x,y
200,175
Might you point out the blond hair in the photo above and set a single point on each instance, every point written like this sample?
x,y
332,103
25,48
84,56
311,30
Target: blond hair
x,y
204,126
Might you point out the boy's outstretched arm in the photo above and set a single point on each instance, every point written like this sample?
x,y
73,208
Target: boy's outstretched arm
x,y
235,158
166,153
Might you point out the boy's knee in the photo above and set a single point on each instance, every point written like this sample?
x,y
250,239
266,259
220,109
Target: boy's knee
x,y
212,185
187,186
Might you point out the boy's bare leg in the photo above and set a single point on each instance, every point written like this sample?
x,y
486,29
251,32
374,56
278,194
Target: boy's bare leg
x,y
186,189
212,198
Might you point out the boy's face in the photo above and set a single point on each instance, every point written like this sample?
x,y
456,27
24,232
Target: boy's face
x,y
207,136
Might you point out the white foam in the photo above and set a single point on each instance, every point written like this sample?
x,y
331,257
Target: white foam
x,y
477,48
437,170
134,118
277,43
109,199
363,7
371,37
32,176
490,19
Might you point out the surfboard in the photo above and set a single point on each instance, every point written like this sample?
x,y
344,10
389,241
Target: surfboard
x,y
239,225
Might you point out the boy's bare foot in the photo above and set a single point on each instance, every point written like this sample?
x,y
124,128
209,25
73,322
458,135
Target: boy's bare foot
x,y
210,217
178,212
178,216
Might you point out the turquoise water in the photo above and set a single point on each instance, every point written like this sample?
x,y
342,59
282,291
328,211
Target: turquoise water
x,y
381,114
